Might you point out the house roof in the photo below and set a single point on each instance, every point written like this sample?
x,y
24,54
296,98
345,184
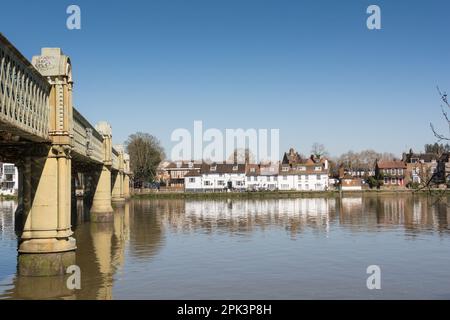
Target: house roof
x,y
269,169
183,165
425,157
193,173
291,157
222,168
254,172
299,169
393,164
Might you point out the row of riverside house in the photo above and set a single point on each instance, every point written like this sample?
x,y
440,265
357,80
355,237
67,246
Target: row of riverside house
x,y
305,174
412,170
293,173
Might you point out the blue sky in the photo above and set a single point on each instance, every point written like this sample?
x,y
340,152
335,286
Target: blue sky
x,y
310,68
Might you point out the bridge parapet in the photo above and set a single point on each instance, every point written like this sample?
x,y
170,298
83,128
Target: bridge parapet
x,y
118,160
87,141
24,96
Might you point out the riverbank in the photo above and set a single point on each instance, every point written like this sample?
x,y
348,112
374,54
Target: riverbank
x,y
277,194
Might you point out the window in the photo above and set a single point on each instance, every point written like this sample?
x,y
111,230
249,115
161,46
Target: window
x,y
249,178
318,177
285,177
252,169
220,183
302,168
235,168
213,168
318,168
207,183
191,165
239,183
191,180
9,169
385,180
285,169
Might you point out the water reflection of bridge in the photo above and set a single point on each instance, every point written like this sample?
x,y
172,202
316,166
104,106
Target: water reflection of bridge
x,y
101,255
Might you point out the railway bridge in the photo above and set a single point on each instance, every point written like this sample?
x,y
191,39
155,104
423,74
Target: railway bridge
x,y
59,155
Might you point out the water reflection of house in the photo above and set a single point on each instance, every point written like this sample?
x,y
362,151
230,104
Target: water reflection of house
x,y
246,216
352,203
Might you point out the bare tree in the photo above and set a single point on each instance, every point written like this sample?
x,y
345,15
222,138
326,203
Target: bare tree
x,y
361,160
318,150
445,106
242,156
440,175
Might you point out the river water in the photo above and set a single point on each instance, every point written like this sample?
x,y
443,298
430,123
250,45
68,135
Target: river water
x,y
308,248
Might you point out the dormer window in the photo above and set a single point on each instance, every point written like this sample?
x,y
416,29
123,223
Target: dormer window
x,y
235,168
191,165
285,169
302,168
179,164
318,168
213,168
252,169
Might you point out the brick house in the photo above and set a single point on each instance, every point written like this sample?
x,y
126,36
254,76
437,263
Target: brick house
x,y
420,167
392,172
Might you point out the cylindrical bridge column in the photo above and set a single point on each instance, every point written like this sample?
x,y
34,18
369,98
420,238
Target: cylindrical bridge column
x,y
46,246
118,191
101,210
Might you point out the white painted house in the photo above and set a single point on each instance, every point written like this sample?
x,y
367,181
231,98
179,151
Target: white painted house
x,y
193,181
9,179
308,175
304,176
217,177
